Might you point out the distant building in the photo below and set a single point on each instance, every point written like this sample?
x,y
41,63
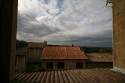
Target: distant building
x,y
37,56
29,57
35,51
63,57
99,60
33,55
21,59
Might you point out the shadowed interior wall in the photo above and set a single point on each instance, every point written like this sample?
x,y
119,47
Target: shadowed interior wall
x,y
119,34
8,25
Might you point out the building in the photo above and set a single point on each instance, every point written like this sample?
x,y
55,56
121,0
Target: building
x,y
62,57
28,58
57,58
99,60
33,55
21,59
35,50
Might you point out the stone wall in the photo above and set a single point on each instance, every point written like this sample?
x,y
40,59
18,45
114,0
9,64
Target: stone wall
x,y
119,34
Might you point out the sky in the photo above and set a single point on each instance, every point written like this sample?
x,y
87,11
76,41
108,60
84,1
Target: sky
x,y
65,22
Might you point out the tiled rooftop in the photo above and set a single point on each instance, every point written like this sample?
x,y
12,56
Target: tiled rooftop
x,y
62,52
71,76
100,57
36,45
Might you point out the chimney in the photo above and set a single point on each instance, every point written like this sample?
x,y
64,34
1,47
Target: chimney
x,y
45,43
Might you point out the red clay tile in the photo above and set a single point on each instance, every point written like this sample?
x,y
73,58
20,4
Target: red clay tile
x,y
62,52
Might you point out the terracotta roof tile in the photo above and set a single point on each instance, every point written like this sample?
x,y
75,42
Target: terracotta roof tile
x,y
62,52
71,76
75,53
100,57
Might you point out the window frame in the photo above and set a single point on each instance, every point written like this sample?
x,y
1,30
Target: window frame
x,y
60,65
79,65
49,65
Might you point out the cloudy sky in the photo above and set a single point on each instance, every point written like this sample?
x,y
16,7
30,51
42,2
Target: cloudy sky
x,y
65,22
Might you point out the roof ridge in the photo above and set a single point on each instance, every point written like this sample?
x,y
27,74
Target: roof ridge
x,y
62,53
66,53
43,52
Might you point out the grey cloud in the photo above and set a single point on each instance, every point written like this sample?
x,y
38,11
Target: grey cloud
x,y
81,22
36,29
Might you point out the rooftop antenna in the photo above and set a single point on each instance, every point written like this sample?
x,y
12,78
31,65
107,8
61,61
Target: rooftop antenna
x,y
109,3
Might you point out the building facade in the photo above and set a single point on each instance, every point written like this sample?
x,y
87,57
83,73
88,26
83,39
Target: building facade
x,y
37,56
35,51
63,58
99,60
63,64
21,59
28,58
33,56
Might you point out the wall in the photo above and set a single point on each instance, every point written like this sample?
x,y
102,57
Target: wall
x,y
20,63
90,65
34,54
34,67
119,34
68,64
8,25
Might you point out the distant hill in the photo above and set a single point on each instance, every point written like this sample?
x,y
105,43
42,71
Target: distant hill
x,y
96,49
21,44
